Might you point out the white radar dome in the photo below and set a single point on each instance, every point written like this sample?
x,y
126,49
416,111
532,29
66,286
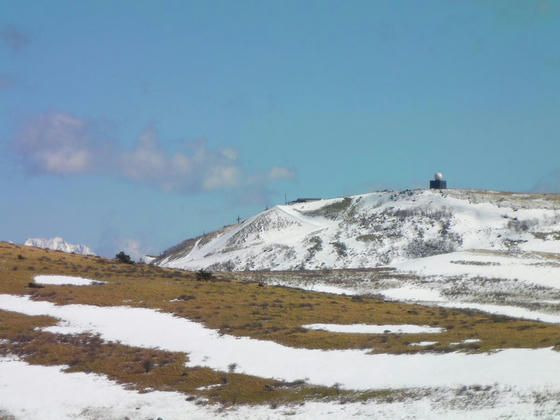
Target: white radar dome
x,y
438,176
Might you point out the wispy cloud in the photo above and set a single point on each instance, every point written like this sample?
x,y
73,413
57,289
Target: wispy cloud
x,y
521,12
13,38
133,247
195,168
136,244
280,172
549,183
59,143
63,144
6,81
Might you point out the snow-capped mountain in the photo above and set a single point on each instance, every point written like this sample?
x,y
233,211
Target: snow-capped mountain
x,y
58,244
375,229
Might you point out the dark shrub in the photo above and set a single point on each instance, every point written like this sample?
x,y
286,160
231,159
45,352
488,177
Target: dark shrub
x,y
203,275
124,258
147,365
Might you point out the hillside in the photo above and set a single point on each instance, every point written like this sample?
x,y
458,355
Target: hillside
x,y
144,342
375,229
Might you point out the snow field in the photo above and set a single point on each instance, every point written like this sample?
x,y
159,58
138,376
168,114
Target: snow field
x,y
89,396
439,269
462,280
429,291
433,297
351,369
506,310
467,263
31,392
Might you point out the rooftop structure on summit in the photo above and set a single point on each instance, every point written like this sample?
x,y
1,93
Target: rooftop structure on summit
x,y
303,200
438,183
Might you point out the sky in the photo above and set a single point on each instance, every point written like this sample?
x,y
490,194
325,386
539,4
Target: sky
x,y
134,125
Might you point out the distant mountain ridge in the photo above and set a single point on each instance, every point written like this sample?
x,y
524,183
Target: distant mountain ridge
x,y
59,244
375,229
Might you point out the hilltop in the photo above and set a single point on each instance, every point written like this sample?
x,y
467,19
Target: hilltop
x,y
375,229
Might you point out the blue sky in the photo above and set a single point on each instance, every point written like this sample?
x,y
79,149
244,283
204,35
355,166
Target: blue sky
x,y
136,124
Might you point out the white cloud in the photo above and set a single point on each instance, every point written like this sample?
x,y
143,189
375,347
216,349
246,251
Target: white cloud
x,y
222,177
60,143
132,247
229,153
280,172
181,163
201,169
146,161
56,143
13,38
6,81
549,183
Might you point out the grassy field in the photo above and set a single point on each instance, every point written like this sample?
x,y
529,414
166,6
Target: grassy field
x,y
234,307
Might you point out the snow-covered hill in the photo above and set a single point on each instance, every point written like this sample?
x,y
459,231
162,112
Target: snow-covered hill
x,y
58,244
375,229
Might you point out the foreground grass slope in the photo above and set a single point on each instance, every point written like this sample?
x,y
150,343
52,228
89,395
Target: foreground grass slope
x,y
232,307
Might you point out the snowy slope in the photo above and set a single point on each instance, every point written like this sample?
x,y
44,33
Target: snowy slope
x,y
376,229
58,244
148,328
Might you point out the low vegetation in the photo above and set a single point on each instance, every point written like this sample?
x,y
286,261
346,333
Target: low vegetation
x,y
124,258
333,210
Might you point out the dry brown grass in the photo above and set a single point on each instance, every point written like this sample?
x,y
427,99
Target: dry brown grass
x,y
269,312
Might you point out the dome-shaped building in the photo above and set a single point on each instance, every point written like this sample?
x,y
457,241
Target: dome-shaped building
x,y
438,182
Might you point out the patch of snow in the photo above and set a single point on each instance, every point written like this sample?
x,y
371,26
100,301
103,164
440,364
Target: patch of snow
x,y
541,245
424,343
431,296
80,395
465,341
59,244
324,288
90,396
64,327
207,387
478,264
376,329
412,293
148,259
65,280
403,294
506,310
548,301
143,327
